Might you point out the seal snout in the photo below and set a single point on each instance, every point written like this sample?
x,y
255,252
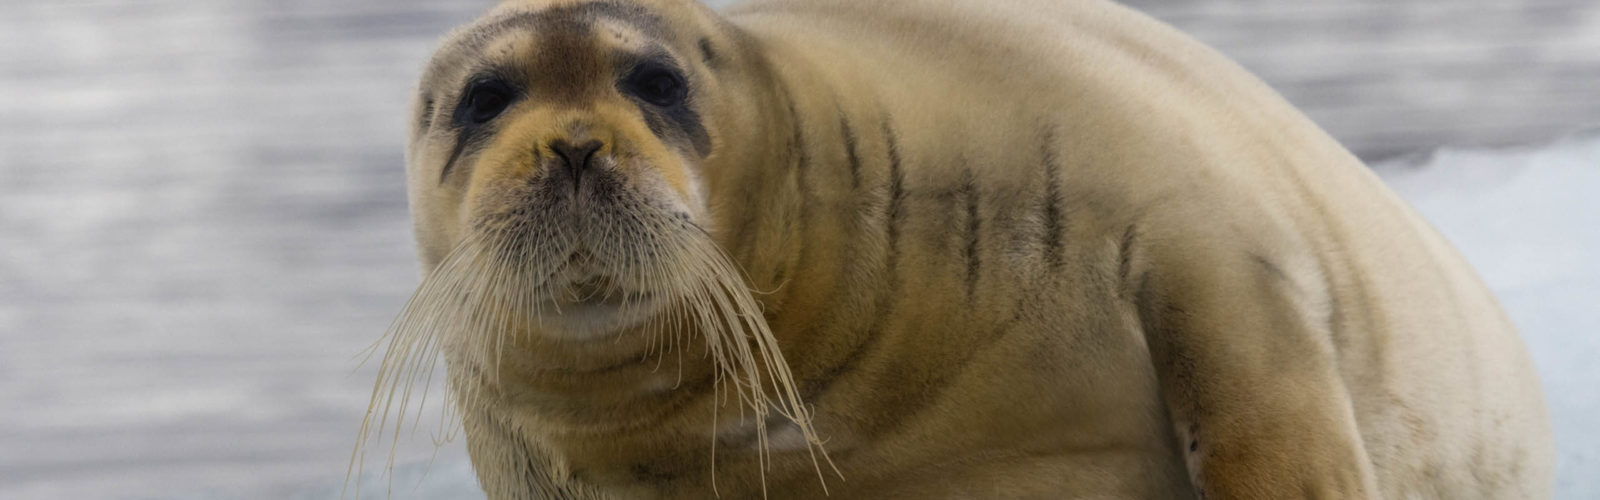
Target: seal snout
x,y
576,158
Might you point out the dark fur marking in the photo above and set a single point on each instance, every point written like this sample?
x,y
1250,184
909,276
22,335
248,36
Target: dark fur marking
x,y
426,117
897,194
707,53
797,142
851,154
678,123
885,300
463,138
470,135
801,161
1272,268
801,156
1052,203
969,191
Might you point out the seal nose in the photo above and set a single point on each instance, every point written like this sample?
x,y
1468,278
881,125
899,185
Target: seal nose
x,y
576,157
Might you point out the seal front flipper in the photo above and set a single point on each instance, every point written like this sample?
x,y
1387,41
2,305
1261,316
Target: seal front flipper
x,y
1236,325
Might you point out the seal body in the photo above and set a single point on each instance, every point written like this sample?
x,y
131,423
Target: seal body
x,y
1019,249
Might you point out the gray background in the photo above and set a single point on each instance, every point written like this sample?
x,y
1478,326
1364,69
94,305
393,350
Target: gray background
x,y
1389,77
202,215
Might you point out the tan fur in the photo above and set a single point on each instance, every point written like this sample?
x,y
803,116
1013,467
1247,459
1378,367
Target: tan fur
x,y
1006,249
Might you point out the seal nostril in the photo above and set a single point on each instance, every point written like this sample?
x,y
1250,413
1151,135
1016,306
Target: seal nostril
x,y
576,158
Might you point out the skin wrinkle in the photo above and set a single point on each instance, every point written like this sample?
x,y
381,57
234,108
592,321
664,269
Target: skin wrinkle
x,y
799,172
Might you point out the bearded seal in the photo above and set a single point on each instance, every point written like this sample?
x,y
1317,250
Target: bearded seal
x,y
929,249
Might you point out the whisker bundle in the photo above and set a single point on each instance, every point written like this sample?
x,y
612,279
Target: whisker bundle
x,y
501,282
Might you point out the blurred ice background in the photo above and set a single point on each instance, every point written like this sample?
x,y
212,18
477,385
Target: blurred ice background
x,y
202,215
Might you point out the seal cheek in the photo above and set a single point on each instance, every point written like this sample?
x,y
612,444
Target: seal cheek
x,y
675,173
501,173
652,158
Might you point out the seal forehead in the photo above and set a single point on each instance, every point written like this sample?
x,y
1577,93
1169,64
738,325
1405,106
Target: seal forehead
x,y
571,16
550,43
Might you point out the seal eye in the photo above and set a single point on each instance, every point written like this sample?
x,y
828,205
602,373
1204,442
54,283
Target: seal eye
x,y
656,84
486,100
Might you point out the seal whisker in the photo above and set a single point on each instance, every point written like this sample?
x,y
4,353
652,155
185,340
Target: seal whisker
x,y
403,338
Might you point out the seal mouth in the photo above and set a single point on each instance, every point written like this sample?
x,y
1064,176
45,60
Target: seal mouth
x,y
587,285
602,290
589,301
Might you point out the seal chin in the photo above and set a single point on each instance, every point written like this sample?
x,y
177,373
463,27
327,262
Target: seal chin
x,y
594,308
